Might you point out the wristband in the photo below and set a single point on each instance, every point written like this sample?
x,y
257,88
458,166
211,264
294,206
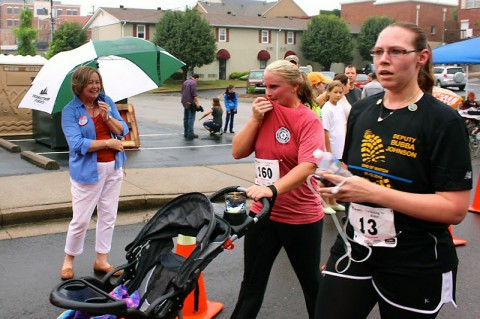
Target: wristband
x,y
106,144
274,191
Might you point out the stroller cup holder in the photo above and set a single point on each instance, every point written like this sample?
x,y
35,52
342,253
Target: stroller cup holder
x,y
240,221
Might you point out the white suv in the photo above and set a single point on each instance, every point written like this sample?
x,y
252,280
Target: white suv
x,y
450,76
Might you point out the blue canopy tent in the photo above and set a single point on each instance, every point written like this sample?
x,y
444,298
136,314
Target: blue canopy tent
x,y
463,52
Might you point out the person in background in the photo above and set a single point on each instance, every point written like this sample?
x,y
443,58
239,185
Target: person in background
x,y
190,106
93,128
354,94
214,125
334,120
373,87
293,59
318,82
470,102
283,133
412,175
230,99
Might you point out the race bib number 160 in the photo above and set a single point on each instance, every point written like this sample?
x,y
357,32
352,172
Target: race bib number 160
x,y
267,171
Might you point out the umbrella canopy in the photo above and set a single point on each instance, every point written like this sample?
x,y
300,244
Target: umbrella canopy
x,y
128,66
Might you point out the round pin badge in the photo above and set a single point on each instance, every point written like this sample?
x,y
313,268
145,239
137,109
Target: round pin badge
x,y
412,107
82,120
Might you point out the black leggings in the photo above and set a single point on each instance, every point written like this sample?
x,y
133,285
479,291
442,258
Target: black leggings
x,y
262,245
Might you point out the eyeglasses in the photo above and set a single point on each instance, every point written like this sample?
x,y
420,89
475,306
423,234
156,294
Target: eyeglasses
x,y
376,53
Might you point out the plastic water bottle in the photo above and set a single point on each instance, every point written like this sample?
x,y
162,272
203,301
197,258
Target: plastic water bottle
x,y
327,162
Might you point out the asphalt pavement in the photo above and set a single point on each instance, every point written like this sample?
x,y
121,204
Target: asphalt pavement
x,y
33,202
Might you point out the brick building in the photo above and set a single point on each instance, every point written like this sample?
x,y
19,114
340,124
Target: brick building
x,y
10,11
469,18
432,17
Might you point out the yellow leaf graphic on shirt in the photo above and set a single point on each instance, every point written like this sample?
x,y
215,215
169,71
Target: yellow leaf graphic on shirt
x,y
372,148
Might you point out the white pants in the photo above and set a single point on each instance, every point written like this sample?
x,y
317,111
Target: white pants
x,y
105,195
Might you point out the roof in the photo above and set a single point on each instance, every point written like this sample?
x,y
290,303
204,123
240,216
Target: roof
x,y
80,19
132,15
238,7
255,22
22,60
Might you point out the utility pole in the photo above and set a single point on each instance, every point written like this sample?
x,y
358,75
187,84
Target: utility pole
x,y
52,21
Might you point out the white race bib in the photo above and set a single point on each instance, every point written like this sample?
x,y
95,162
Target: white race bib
x,y
267,171
372,226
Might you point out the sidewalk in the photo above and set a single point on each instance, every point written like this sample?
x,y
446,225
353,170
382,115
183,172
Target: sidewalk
x,y
43,197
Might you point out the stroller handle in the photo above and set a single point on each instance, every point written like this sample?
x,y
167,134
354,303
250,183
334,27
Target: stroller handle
x,y
265,201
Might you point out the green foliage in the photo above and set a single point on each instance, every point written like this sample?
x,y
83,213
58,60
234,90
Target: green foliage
x,y
188,36
327,40
237,75
68,36
251,90
369,32
26,34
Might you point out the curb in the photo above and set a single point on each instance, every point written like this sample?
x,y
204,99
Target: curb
x,y
9,146
39,160
42,213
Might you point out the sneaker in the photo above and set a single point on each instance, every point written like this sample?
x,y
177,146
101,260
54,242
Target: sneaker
x,y
232,132
221,131
338,207
329,210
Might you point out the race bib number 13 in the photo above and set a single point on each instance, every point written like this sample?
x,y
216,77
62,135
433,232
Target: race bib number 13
x,y
372,226
267,171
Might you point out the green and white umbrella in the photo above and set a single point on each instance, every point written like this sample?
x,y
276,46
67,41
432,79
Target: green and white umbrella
x,y
129,66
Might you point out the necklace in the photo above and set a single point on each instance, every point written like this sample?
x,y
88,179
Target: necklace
x,y
380,103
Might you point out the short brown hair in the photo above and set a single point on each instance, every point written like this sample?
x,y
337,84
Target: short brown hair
x,y
80,78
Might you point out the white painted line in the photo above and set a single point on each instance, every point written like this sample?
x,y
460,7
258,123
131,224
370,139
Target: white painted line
x,y
178,147
151,148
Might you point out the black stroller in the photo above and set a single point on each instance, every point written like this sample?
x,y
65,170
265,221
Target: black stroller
x,y
162,278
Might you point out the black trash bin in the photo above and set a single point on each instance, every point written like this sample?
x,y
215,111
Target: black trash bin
x,y
47,129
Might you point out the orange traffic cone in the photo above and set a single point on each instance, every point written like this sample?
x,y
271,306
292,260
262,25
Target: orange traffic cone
x,y
475,207
456,241
196,305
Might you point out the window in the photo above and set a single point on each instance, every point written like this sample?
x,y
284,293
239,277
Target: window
x,y
15,23
265,37
75,12
222,35
9,23
290,37
263,64
16,10
69,12
141,31
470,4
42,12
9,10
433,30
59,12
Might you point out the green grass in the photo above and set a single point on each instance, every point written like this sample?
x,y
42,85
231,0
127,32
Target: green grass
x,y
202,85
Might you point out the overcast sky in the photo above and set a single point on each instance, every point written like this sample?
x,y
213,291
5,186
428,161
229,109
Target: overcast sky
x,y
311,7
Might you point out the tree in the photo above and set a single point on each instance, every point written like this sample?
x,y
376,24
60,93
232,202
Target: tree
x,y
188,37
26,34
327,40
68,36
369,32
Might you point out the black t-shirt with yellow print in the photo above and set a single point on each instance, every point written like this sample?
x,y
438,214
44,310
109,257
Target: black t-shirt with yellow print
x,y
422,148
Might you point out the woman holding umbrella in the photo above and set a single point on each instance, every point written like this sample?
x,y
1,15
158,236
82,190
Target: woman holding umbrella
x,y
93,127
